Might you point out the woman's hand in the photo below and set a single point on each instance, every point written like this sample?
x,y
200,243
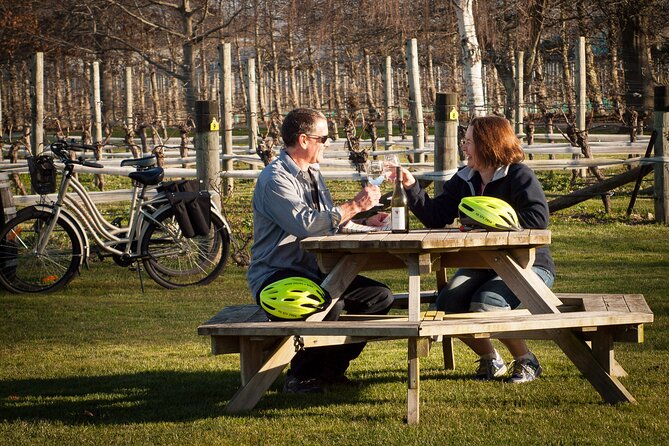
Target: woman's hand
x,y
407,179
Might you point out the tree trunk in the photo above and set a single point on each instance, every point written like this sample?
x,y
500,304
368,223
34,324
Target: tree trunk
x,y
335,77
369,94
57,87
539,84
188,68
471,56
594,88
276,90
505,66
431,86
313,84
262,100
240,72
352,101
107,93
292,78
614,61
636,62
16,103
567,77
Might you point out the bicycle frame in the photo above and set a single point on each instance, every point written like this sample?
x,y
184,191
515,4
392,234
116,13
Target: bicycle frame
x,y
86,215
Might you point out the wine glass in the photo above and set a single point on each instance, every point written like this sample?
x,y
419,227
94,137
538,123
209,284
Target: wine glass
x,y
375,172
390,162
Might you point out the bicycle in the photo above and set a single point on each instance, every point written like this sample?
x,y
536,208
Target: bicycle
x,y
45,245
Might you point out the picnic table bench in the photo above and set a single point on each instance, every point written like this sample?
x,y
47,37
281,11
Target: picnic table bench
x,y
585,326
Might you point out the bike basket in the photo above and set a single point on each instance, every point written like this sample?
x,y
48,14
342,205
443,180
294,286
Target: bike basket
x,y
42,174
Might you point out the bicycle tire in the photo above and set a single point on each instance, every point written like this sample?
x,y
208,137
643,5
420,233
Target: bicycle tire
x,y
174,261
22,270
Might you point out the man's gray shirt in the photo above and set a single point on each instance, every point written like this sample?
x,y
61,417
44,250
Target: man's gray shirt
x,y
284,212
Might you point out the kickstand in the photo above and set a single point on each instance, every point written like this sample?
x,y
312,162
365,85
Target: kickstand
x,y
139,273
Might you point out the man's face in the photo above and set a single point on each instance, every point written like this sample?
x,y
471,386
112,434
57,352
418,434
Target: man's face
x,y
315,147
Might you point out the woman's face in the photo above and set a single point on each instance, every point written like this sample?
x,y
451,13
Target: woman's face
x,y
470,152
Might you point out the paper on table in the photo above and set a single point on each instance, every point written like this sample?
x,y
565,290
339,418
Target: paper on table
x,y
353,228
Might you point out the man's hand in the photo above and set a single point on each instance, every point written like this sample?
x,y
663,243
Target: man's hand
x,y
367,198
363,201
378,220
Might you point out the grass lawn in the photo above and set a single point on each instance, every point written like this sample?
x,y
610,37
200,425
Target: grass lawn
x,y
100,362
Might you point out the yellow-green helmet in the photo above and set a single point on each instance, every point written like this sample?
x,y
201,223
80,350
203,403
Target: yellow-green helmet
x,y
489,213
293,298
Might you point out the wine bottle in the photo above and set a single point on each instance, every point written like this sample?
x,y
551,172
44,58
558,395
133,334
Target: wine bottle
x,y
399,206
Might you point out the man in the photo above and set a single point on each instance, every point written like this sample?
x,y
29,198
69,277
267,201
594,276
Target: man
x,y
292,202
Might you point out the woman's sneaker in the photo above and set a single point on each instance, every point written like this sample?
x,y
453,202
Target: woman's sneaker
x,y
525,370
490,369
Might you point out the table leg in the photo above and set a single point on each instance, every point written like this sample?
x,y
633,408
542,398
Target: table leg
x,y
538,298
335,283
250,357
413,383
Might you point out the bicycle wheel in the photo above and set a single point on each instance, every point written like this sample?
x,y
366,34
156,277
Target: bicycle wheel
x,y
175,261
22,269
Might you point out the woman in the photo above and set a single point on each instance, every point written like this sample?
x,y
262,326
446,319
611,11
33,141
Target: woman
x,y
494,168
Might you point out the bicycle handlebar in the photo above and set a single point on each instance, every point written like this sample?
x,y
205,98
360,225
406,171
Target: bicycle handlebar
x,y
61,149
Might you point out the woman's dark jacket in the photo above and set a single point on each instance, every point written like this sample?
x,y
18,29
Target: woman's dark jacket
x,y
516,184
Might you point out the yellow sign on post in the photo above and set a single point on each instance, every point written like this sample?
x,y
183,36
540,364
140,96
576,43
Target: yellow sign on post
x,y
453,115
214,126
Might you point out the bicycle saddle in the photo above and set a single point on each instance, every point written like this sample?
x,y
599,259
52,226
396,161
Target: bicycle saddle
x,y
148,177
145,161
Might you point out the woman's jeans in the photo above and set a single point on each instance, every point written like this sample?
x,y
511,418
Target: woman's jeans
x,y
472,290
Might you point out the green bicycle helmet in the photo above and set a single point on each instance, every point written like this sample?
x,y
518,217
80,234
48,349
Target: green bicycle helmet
x,y
293,298
489,213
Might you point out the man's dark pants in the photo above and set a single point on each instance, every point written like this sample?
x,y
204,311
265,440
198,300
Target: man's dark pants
x,y
363,296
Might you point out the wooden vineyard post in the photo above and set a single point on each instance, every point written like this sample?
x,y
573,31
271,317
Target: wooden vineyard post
x,y
225,59
581,96
207,159
415,101
252,106
389,102
661,187
7,209
445,136
520,101
37,97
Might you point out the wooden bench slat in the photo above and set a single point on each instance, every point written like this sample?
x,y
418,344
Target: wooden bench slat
x,y
502,322
456,327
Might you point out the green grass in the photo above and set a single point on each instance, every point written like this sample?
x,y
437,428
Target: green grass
x,y
103,363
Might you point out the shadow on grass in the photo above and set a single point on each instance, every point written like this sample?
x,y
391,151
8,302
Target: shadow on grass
x,y
171,396
141,397
160,396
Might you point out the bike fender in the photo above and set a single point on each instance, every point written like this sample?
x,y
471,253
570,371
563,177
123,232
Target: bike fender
x,y
72,220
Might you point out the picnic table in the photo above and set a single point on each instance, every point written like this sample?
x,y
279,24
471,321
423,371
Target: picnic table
x,y
419,252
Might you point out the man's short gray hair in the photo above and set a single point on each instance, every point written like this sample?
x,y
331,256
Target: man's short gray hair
x,y
300,120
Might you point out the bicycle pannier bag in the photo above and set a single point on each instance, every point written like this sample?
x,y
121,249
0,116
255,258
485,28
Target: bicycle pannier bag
x,y
42,174
192,208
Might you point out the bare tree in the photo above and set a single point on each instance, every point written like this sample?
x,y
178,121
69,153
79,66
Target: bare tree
x,y
471,56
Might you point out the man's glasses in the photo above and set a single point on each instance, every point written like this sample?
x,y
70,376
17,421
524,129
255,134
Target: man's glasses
x,y
322,139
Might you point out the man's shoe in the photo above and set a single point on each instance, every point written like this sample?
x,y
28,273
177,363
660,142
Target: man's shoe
x,y
342,381
293,384
525,370
490,369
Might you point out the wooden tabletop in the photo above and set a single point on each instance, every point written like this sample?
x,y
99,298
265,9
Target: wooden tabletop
x,y
425,240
